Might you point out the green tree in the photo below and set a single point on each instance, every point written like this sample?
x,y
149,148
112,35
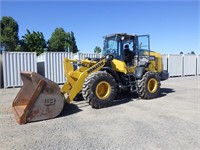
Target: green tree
x,y
33,42
181,52
58,41
9,33
72,43
21,46
62,41
192,52
97,49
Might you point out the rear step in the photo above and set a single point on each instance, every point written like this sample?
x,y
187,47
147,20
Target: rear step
x,y
38,99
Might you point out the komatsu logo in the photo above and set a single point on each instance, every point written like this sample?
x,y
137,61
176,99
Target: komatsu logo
x,y
95,67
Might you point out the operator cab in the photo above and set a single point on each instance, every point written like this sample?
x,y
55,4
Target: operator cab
x,y
134,50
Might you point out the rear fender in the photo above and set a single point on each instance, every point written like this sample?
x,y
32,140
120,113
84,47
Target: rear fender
x,y
112,72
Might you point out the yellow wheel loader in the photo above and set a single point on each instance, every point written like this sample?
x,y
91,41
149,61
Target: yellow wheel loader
x,y
127,64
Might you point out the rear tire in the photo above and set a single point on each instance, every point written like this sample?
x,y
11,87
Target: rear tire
x,y
149,86
99,89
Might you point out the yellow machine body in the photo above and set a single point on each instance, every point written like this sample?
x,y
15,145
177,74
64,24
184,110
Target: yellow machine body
x,y
76,78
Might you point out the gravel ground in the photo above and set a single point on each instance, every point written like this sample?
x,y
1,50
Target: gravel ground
x,y
170,122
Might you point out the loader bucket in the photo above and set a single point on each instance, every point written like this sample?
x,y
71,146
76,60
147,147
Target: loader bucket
x,y
38,99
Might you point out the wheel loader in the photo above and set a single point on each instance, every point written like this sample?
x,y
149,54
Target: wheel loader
x,y
127,64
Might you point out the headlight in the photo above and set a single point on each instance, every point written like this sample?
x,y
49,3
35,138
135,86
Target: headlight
x,y
109,57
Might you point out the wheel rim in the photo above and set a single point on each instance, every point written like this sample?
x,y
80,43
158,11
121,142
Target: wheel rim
x,y
103,90
152,85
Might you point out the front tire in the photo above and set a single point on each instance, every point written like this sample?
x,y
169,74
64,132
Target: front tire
x,y
149,86
99,89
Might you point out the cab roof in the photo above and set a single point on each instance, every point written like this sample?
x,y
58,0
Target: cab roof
x,y
119,34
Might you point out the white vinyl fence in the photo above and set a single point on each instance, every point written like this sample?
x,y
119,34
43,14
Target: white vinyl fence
x,y
80,56
190,66
198,64
165,61
1,70
50,65
175,65
181,65
13,63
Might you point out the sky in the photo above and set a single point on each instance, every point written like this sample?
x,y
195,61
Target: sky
x,y
173,26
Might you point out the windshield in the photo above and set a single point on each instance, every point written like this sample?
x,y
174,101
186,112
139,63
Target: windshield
x,y
112,46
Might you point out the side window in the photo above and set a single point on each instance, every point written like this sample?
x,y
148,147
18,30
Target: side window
x,y
143,42
143,50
